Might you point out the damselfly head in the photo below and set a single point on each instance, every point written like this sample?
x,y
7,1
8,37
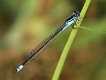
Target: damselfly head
x,y
72,19
76,14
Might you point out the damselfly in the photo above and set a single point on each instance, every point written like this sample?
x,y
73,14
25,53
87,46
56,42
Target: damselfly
x,y
68,22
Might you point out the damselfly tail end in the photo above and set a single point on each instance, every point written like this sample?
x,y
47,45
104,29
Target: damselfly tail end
x,y
19,68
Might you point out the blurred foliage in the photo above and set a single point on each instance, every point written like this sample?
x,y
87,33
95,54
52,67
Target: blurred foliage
x,y
25,23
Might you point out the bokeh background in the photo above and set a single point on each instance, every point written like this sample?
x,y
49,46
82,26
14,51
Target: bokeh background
x,y
25,23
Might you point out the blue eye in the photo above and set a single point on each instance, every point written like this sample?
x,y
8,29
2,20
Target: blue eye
x,y
76,14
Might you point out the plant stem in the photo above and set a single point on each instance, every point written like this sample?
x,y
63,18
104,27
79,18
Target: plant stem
x,y
69,43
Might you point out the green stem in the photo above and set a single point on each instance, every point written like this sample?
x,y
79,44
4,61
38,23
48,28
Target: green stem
x,y
69,43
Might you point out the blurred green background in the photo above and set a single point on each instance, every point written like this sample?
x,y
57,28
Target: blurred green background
x,y
25,23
